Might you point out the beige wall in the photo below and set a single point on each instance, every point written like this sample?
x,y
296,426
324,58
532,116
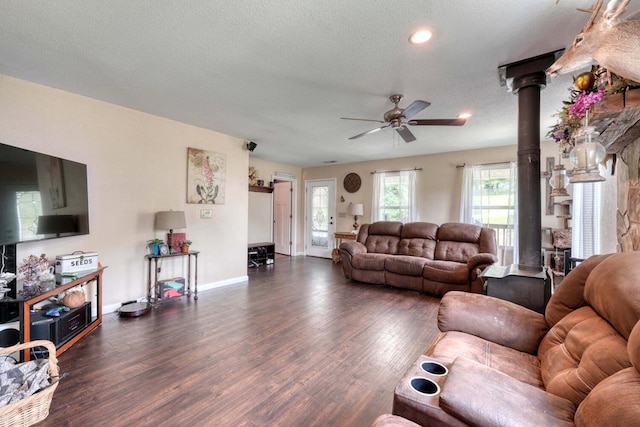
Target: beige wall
x,y
438,185
137,166
260,217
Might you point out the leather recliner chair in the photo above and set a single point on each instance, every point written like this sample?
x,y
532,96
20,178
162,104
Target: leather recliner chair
x,y
578,364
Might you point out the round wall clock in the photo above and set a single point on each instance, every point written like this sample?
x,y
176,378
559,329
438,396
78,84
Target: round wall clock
x,y
352,182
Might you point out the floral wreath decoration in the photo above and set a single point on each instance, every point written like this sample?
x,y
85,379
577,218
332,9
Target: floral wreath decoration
x,y
589,88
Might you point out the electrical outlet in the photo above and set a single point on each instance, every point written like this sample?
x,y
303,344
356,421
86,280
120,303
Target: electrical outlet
x,y
206,214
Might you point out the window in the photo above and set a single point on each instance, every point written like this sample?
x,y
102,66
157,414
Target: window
x,y
489,200
394,196
586,223
320,216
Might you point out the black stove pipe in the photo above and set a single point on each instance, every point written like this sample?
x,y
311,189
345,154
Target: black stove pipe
x,y
526,78
529,204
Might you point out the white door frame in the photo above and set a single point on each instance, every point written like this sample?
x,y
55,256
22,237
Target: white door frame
x,y
294,208
332,182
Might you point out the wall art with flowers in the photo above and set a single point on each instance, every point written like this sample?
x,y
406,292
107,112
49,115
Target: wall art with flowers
x,y
206,173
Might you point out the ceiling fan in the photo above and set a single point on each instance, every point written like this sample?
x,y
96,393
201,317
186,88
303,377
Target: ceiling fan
x,y
400,118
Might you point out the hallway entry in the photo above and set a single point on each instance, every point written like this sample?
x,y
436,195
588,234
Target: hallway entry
x,y
283,216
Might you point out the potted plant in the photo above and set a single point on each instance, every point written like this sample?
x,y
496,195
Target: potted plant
x,y
154,245
184,246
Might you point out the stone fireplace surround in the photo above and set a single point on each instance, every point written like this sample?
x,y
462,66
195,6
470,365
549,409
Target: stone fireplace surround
x,y
627,173
620,133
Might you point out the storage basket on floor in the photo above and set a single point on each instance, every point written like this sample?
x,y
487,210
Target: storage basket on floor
x,y
34,408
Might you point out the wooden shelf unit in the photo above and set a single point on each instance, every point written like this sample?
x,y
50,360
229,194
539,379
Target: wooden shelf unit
x,y
26,305
260,189
261,253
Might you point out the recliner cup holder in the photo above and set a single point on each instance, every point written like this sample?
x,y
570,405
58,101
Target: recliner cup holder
x,y
425,386
434,368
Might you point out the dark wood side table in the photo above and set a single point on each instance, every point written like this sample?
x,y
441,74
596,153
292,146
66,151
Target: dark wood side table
x,y
152,297
340,236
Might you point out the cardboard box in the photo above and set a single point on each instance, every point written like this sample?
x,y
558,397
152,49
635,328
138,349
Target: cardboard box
x,y
77,261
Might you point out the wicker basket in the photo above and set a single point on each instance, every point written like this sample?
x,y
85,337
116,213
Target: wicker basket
x,y
34,408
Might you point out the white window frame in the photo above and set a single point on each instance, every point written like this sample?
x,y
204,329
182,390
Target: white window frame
x,y
475,206
381,181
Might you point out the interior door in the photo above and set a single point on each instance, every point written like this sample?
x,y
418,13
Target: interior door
x,y
320,217
283,216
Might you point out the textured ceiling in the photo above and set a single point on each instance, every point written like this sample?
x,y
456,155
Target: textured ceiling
x,y
283,72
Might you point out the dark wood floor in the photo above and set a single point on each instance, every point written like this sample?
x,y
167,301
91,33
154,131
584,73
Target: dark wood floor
x,y
298,345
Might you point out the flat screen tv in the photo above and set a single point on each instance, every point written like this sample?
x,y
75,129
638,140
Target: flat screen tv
x,y
41,196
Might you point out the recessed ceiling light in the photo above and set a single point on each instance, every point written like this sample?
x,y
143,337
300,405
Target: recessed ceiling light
x,y
420,36
464,115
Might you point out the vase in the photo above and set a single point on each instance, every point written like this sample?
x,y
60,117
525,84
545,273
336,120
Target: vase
x,y
30,288
47,280
29,282
155,249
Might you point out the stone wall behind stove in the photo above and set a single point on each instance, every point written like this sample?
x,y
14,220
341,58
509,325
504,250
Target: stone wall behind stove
x,y
628,204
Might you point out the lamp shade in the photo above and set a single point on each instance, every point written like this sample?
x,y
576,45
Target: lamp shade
x,y
559,181
56,224
170,220
356,209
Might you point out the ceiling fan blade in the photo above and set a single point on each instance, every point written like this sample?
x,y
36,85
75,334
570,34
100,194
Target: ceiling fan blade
x,y
363,120
370,131
415,107
405,133
438,122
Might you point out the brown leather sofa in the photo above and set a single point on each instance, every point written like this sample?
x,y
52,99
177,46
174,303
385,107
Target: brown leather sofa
x,y
578,364
420,256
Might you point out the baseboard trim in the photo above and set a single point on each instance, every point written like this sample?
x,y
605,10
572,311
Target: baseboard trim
x,y
112,308
222,283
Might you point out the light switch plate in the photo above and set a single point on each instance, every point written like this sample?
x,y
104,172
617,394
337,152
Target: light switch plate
x,y
206,214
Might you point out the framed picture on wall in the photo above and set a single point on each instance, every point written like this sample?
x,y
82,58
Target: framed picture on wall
x,y
206,174
175,241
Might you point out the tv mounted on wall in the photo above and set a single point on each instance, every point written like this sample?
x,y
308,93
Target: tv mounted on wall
x,y
41,196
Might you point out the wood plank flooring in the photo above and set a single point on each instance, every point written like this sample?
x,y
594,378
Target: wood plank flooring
x,y
297,345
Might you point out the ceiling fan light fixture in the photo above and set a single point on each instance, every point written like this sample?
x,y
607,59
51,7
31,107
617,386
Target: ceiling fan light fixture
x,y
420,36
464,115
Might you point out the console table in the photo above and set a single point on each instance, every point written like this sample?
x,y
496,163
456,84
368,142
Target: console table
x,y
26,304
152,297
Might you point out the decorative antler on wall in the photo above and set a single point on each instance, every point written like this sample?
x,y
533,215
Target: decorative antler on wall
x,y
610,41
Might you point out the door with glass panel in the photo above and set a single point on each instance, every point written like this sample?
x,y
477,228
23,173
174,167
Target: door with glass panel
x,y
320,212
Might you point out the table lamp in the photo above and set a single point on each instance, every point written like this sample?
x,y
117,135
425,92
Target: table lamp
x,y
170,220
356,209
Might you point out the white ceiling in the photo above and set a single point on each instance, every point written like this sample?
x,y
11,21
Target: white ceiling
x,y
282,72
